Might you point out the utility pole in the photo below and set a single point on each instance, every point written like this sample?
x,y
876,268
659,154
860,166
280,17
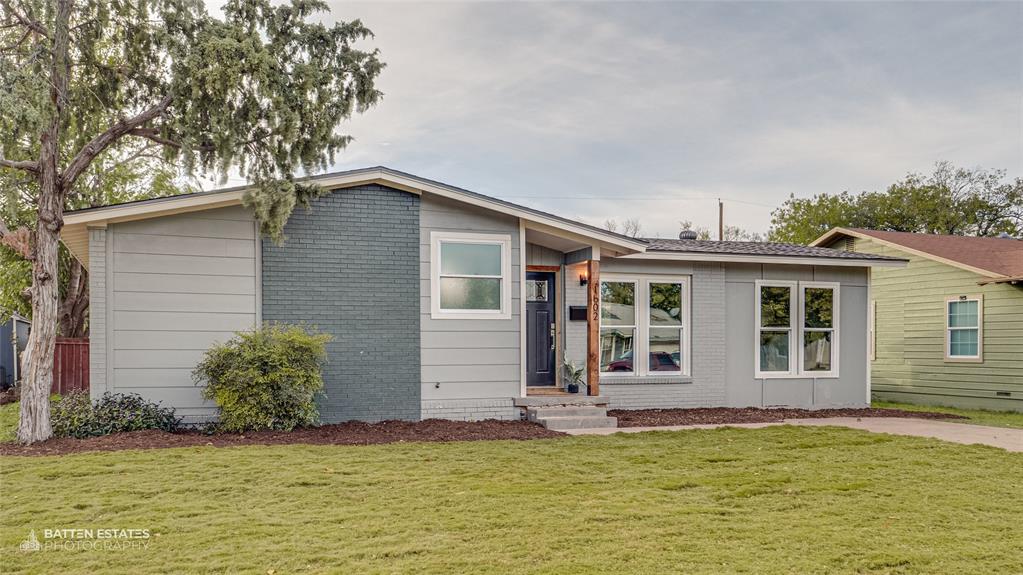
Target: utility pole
x,y
721,220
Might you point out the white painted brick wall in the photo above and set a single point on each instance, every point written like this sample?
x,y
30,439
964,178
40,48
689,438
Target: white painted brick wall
x,y
470,409
708,335
654,395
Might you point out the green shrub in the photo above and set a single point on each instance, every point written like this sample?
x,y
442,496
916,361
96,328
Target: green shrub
x,y
75,415
266,378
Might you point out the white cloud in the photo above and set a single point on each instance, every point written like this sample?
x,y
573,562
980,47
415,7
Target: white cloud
x,y
687,102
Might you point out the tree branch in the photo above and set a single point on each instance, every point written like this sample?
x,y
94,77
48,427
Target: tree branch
x,y
27,165
25,21
101,142
153,135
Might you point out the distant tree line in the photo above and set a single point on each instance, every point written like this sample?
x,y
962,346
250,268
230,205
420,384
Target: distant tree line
x,y
951,201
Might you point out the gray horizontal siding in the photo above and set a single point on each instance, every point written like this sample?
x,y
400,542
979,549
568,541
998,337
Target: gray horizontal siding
x,y
474,360
177,284
744,389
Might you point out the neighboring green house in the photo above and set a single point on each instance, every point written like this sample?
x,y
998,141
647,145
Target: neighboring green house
x,y
948,328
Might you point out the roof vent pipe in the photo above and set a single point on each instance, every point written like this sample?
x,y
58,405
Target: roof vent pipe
x,y
687,235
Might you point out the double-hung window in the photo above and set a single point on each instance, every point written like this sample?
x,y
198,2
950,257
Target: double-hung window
x,y
644,318
470,276
796,329
964,319
819,311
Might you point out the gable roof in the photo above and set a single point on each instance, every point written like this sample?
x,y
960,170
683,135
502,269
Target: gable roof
x,y
998,258
76,223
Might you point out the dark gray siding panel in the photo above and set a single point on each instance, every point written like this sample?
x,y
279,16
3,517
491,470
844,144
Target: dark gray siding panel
x,y
350,266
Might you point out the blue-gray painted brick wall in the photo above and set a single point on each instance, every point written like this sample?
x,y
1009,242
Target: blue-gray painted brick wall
x,y
350,266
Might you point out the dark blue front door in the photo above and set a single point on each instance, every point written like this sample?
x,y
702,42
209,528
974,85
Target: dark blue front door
x,y
540,367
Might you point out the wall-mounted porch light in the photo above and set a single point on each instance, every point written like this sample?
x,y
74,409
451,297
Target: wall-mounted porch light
x,y
584,278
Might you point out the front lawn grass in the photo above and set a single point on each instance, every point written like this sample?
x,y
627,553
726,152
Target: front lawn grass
x,y
9,421
974,416
776,500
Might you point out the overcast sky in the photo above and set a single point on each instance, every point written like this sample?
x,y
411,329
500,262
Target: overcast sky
x,y
654,110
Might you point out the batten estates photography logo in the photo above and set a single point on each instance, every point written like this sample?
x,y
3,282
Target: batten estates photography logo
x,y
73,539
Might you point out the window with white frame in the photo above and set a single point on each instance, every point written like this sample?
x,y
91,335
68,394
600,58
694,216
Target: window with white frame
x,y
819,306
796,329
644,317
964,318
471,276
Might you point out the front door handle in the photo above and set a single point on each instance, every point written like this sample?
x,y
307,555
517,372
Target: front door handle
x,y
553,332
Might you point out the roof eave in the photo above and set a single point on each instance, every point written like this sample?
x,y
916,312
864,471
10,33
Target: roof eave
x,y
1014,280
76,224
769,259
829,236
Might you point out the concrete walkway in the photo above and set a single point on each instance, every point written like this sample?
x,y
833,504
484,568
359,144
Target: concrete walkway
x,y
1005,438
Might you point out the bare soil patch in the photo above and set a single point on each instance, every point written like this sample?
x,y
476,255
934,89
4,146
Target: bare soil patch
x,y
723,415
349,433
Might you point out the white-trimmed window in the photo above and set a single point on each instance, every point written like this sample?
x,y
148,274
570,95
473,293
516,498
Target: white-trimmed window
x,y
644,317
776,324
796,329
470,276
818,351
964,328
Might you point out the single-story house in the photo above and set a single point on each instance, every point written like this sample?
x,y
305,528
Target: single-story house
x,y
445,303
947,328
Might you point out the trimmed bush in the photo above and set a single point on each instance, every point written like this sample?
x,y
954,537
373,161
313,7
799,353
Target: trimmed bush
x,y
75,415
266,378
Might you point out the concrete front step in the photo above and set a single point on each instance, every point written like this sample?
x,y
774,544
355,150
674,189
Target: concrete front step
x,y
581,422
537,413
571,416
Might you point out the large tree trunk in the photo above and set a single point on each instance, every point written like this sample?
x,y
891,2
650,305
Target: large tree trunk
x,y
75,305
34,422
34,417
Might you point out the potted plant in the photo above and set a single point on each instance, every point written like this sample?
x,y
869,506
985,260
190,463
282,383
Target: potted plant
x,y
573,375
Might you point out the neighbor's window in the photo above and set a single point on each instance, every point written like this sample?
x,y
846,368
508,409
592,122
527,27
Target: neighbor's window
x,y
643,317
617,326
471,275
963,324
797,329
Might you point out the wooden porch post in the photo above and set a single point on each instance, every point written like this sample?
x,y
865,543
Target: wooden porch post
x,y
593,328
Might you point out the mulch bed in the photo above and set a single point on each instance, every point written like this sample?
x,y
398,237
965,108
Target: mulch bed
x,y
721,415
349,433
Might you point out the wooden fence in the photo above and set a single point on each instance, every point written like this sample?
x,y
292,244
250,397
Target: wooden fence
x,y
70,365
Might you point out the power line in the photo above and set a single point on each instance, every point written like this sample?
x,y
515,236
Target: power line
x,y
640,198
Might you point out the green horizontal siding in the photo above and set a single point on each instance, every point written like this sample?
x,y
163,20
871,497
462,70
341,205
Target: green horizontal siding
x,y
910,361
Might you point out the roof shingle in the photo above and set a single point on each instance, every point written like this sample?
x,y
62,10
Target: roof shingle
x,y
755,249
1000,256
